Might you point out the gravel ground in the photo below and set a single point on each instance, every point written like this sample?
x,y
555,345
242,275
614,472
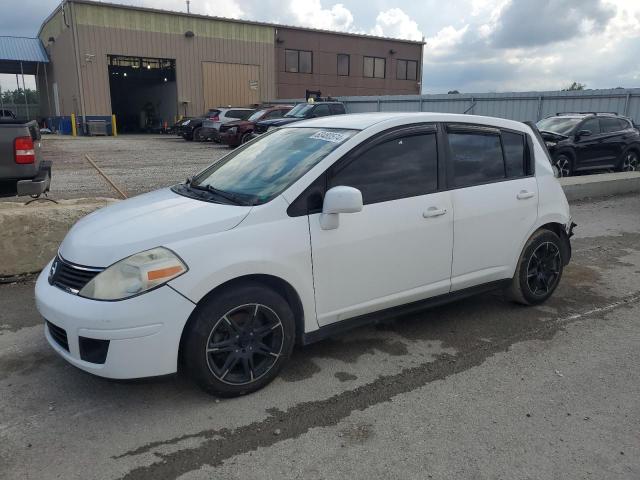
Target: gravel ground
x,y
479,389
136,163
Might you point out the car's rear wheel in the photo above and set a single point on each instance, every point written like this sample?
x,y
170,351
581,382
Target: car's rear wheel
x,y
238,340
564,164
630,161
539,269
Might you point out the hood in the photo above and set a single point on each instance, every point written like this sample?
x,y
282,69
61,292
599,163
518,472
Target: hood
x,y
277,122
552,137
140,223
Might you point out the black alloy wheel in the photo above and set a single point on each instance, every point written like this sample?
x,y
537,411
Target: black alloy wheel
x,y
543,270
238,339
630,161
244,344
563,163
539,269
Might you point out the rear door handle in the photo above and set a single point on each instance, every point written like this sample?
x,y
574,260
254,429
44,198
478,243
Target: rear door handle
x,y
434,212
524,194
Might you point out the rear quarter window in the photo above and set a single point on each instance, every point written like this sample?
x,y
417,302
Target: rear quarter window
x,y
514,147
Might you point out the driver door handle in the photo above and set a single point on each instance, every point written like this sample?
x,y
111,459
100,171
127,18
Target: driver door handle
x,y
524,194
434,212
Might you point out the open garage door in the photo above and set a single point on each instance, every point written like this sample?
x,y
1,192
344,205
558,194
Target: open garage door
x,y
143,92
230,84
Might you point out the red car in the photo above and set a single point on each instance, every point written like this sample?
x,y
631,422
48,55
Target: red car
x,y
238,132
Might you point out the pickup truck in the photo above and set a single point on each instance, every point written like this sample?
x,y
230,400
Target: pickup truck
x,y
22,169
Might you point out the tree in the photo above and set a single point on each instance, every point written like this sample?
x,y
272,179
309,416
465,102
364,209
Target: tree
x,y
453,92
17,96
574,87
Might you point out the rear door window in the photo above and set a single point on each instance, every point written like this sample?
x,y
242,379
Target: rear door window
x,y
476,157
239,114
336,108
610,125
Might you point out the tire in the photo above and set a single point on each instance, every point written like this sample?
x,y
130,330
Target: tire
x,y
564,164
537,277
242,362
630,161
197,135
245,138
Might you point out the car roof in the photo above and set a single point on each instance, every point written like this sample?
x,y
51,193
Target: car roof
x,y
362,121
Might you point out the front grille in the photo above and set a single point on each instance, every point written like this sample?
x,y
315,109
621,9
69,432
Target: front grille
x,y
70,277
59,335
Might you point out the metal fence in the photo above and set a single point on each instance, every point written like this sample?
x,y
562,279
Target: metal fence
x,y
30,111
525,106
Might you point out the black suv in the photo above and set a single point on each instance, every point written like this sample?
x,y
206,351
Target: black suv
x,y
589,141
302,111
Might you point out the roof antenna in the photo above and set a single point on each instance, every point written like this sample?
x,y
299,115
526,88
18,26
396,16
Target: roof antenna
x,y
188,2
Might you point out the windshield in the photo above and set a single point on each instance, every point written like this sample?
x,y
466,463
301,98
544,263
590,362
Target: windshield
x,y
262,169
300,110
561,125
256,115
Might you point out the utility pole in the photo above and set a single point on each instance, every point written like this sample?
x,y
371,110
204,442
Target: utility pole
x,y
188,2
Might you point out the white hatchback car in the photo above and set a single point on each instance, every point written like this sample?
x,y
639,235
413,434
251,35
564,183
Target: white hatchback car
x,y
311,229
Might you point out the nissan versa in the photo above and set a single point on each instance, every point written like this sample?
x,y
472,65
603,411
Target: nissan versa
x,y
311,229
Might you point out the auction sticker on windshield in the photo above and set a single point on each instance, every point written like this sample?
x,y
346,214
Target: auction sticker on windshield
x,y
334,137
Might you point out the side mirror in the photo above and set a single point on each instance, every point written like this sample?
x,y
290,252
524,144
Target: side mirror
x,y
583,133
339,200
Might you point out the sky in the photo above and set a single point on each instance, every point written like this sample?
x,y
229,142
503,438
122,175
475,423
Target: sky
x,y
472,45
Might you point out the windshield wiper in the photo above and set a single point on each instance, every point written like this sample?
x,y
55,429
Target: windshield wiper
x,y
235,199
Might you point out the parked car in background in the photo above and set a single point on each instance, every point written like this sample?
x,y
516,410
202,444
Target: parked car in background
x,y
22,168
178,127
190,129
240,131
302,111
7,114
211,126
591,141
312,229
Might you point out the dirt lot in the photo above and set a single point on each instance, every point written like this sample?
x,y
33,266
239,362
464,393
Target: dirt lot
x,y
479,389
136,163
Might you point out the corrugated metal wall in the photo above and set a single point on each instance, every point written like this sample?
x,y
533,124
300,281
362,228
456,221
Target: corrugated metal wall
x,y
526,106
230,84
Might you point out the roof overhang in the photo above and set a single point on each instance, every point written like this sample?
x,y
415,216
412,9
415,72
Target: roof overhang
x,y
21,55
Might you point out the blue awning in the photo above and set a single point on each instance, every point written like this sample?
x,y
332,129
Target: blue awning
x,y
15,50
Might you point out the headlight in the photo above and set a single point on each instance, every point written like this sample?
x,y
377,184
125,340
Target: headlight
x,y
550,144
134,275
232,130
185,123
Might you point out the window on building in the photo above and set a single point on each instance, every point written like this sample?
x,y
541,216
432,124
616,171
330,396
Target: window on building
x,y
343,64
374,67
298,61
407,70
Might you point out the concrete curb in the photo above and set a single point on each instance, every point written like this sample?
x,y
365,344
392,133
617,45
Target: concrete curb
x,y
601,185
31,234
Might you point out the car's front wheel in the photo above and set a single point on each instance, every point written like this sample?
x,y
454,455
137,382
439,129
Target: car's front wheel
x,y
564,165
539,269
245,137
239,339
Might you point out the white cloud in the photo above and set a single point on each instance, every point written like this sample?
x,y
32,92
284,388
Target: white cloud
x,y
310,13
395,23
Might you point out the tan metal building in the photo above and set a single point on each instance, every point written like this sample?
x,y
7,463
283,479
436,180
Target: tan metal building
x,y
149,65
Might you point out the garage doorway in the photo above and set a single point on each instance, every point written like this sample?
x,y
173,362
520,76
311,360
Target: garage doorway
x,y
143,93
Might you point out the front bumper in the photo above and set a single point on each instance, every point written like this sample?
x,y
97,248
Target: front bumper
x,y
231,139
143,332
